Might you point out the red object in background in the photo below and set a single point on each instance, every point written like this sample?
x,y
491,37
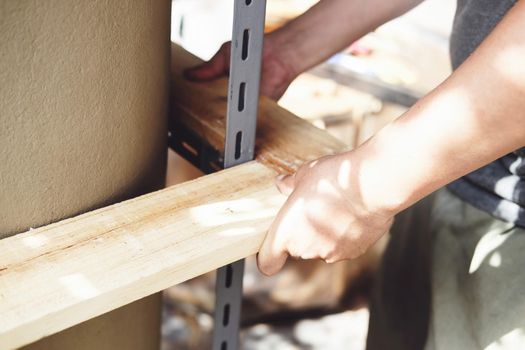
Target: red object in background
x,y
357,48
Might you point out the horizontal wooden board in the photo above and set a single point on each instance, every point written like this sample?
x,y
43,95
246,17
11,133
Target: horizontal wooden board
x,y
65,273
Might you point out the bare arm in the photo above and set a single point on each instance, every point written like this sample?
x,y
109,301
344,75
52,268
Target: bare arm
x,y
330,26
326,28
341,205
474,117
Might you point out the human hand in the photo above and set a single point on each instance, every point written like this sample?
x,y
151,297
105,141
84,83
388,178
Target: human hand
x,y
323,218
276,72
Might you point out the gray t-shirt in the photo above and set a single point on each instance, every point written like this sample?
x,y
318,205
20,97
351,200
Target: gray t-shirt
x,y
499,187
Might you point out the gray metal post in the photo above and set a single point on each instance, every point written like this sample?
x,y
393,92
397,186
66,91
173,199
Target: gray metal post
x,y
241,122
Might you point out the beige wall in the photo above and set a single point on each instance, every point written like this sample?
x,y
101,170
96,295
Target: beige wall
x,y
133,327
83,102
83,89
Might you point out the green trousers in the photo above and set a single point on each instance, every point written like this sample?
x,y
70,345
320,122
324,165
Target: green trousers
x,y
452,277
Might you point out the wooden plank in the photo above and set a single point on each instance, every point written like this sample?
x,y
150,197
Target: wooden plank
x,y
62,274
65,273
284,141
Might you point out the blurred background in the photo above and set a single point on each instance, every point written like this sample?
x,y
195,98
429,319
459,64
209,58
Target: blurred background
x,y
311,305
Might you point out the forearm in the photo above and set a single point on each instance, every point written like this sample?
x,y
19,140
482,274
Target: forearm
x,y
330,26
474,117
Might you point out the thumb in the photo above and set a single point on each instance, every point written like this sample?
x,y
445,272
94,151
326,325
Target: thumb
x,y
213,69
285,184
272,256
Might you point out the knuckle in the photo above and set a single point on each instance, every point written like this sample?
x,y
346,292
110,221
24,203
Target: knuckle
x,y
329,255
331,260
324,256
309,256
294,253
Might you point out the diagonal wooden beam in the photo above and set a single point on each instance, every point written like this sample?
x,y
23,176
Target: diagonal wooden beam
x,y
57,276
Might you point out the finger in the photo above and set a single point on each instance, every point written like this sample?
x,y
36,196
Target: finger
x,y
270,261
214,68
272,256
285,184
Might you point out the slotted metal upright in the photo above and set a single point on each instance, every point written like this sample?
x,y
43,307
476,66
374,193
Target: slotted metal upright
x,y
241,122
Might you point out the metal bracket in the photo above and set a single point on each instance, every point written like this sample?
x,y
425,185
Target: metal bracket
x,y
241,122
191,147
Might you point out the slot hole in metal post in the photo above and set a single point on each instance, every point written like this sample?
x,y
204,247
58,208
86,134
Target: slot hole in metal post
x,y
242,95
245,44
229,276
226,315
238,141
248,2
224,346
181,27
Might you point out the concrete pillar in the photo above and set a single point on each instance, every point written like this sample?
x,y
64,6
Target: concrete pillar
x,y
83,106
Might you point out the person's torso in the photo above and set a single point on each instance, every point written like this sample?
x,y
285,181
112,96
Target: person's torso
x,y
499,187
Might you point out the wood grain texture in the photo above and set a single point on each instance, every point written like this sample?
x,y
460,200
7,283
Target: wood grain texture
x,y
56,276
284,141
65,273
